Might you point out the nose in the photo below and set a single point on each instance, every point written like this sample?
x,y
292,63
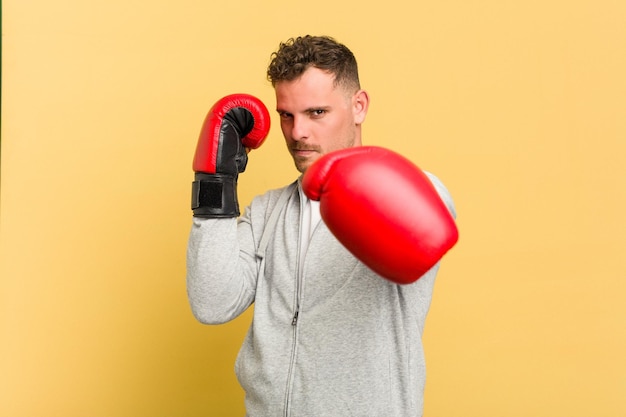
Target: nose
x,y
299,128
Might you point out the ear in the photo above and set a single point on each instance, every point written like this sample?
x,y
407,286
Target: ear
x,y
360,104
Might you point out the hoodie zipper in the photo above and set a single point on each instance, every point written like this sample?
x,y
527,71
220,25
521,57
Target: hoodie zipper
x,y
294,348
294,322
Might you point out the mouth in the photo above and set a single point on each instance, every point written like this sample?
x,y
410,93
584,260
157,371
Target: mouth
x,y
303,152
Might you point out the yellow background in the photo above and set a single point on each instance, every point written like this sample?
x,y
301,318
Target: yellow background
x,y
518,106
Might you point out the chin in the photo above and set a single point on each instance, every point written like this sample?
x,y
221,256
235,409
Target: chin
x,y
302,165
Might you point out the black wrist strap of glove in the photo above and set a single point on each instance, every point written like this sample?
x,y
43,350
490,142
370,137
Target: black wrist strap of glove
x,y
214,195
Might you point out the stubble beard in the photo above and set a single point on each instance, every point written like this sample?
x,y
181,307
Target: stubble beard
x,y
303,163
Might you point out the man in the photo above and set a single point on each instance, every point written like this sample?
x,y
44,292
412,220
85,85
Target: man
x,y
329,336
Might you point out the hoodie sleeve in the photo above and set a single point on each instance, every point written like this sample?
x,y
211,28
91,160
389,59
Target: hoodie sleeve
x,y
443,193
221,268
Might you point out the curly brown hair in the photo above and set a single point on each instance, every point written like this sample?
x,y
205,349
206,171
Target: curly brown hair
x,y
296,55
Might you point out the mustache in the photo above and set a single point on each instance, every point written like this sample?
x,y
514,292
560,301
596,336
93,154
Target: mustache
x,y
300,147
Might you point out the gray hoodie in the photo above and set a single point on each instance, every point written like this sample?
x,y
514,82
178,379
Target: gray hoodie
x,y
330,338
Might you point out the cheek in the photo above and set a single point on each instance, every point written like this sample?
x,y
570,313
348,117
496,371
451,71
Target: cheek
x,y
332,134
348,135
284,128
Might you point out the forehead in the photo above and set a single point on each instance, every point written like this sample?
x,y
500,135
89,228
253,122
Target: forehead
x,y
314,88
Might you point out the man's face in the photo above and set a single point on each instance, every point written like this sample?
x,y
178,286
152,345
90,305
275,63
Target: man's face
x,y
316,117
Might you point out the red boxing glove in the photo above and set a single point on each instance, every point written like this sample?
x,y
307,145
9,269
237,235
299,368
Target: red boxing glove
x,y
234,123
383,209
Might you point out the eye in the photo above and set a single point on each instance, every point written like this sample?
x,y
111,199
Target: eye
x,y
284,115
317,113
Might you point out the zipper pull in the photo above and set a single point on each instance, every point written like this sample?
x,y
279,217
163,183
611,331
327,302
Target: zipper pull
x,y
295,319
